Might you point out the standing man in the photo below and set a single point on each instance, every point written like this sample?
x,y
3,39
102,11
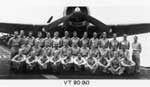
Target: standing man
x,y
104,42
66,39
137,48
22,37
114,44
75,39
84,40
14,43
94,40
48,40
30,39
125,43
39,40
56,40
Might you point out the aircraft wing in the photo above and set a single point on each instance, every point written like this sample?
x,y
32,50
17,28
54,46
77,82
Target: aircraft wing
x,y
11,27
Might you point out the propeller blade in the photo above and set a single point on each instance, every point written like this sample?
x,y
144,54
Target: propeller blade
x,y
50,19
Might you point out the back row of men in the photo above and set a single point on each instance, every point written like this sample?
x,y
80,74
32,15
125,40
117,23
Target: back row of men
x,y
100,44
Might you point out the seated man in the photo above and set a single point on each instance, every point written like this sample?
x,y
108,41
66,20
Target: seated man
x,y
55,60
104,63
18,61
92,64
44,59
79,63
33,56
31,61
66,61
125,61
75,54
115,65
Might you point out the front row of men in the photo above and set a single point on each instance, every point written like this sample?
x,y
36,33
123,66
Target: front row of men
x,y
62,54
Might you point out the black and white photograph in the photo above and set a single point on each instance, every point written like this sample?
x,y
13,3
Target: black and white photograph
x,y
74,39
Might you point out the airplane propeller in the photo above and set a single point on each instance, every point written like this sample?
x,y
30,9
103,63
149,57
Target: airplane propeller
x,y
50,19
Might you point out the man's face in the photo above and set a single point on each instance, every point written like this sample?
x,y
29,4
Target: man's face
x,y
15,33
114,36
56,34
94,34
22,32
125,36
48,35
30,33
104,34
75,34
85,34
135,38
39,34
66,33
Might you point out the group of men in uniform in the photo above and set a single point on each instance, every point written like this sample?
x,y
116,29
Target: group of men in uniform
x,y
80,54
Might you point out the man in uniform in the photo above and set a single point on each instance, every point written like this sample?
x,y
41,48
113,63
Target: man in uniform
x,y
30,39
125,43
66,61
104,42
14,43
94,40
48,40
84,40
39,40
136,47
66,39
22,38
75,40
114,44
56,39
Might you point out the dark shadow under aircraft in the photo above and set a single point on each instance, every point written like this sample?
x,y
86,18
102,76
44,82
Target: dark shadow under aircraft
x,y
76,19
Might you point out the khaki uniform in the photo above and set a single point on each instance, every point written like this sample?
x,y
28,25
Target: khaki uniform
x,y
15,44
48,42
103,43
30,40
114,45
136,47
84,41
75,40
66,41
94,42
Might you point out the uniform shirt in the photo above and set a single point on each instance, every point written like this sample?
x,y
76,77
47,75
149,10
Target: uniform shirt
x,y
124,54
14,42
84,41
22,40
114,44
125,44
94,42
37,51
47,51
136,46
48,42
103,43
39,41
94,52
84,51
66,51
103,52
75,40
56,41
65,41
75,51
30,40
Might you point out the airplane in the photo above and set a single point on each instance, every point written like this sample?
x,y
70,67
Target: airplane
x,y
76,18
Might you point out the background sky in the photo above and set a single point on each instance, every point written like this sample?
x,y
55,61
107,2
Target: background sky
x,y
107,11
